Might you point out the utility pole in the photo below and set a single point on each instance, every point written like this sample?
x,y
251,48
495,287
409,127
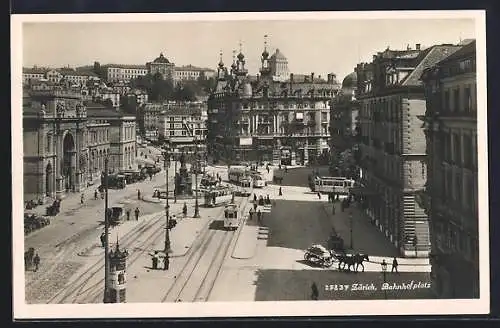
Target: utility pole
x,y
106,232
167,206
196,206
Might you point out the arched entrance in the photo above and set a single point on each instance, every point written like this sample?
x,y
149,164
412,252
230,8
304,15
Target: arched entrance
x,y
68,161
49,188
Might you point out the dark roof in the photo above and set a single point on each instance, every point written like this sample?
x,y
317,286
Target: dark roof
x,y
278,55
350,81
184,111
104,112
161,60
468,50
429,57
34,70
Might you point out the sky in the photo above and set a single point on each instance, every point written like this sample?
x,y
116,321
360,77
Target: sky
x,y
319,46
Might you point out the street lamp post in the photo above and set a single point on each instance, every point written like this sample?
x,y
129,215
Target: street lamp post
x,y
106,234
175,179
350,225
384,271
167,206
196,205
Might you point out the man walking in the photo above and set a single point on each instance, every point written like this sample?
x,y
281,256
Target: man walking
x,y
128,214
103,239
250,213
137,213
259,216
82,198
280,192
138,194
184,210
95,194
36,262
394,265
314,292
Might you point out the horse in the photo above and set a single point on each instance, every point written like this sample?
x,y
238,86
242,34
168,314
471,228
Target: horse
x,y
350,260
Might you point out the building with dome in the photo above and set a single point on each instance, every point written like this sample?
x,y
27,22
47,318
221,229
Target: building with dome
x,y
163,66
260,118
344,111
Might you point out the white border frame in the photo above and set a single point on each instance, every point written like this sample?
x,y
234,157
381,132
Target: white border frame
x,y
242,309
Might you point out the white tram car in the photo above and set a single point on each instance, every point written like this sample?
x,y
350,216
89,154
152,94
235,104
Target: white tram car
x,y
258,181
338,185
217,196
231,217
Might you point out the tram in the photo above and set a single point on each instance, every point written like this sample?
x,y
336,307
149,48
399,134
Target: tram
x,y
238,175
231,218
337,185
258,181
217,196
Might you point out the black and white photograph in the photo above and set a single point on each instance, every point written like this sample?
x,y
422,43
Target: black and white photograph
x,y
249,164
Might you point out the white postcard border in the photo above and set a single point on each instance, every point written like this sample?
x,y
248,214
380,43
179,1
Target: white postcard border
x,y
242,309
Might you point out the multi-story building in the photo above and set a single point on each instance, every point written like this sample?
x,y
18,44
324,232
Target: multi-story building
x,y
112,95
163,66
190,72
57,75
54,143
122,136
344,112
152,113
260,120
124,73
392,149
66,140
451,195
183,128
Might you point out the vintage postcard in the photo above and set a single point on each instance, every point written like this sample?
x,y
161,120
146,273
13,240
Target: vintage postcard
x,y
250,164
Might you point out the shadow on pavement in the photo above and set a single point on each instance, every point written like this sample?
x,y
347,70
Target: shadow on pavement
x,y
294,285
216,225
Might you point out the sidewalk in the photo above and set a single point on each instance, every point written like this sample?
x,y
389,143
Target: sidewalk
x,y
248,235
366,238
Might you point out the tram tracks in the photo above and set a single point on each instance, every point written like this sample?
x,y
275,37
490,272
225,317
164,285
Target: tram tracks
x,y
197,278
74,288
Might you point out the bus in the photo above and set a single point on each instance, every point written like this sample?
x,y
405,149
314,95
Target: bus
x,y
231,218
258,181
337,185
238,175
217,196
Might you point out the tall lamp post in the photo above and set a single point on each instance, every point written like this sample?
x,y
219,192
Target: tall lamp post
x,y
166,163
350,226
196,205
384,271
106,234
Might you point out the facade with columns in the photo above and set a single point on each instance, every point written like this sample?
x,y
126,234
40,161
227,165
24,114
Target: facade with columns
x,y
451,195
392,149
65,142
256,119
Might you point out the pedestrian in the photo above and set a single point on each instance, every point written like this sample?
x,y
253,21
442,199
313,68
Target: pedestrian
x,y
138,194
314,292
166,262
259,216
137,213
155,260
267,168
184,210
394,265
279,166
319,195
95,194
250,213
102,194
333,209
255,198
103,239
280,192
220,180
255,206
150,176
36,262
286,169
128,214
82,198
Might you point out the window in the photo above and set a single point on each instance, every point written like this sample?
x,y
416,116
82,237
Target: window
x,y
171,133
456,100
446,101
467,100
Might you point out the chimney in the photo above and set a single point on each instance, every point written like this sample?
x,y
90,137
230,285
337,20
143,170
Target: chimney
x,y
417,46
312,77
